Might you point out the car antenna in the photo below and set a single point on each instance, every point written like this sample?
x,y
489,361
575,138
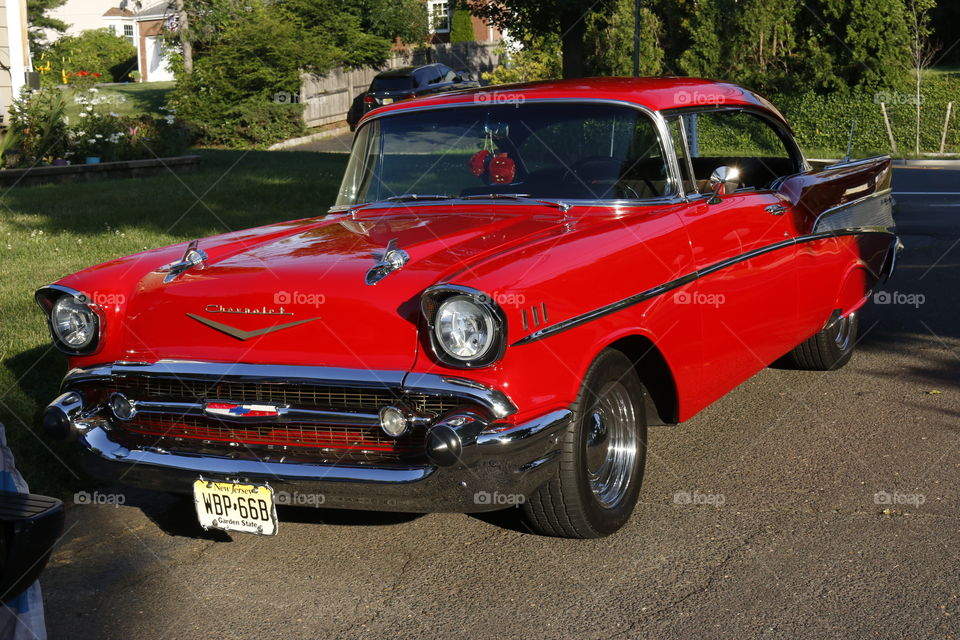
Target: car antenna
x,y
853,122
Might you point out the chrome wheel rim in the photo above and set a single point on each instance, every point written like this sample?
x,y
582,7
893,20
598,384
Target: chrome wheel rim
x,y
844,332
611,445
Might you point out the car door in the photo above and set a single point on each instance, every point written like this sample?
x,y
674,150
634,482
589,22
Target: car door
x,y
742,244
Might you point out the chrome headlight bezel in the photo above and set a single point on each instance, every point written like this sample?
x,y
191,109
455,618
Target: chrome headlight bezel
x,y
434,297
48,297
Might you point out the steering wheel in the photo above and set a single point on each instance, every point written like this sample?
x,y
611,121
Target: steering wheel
x,y
604,171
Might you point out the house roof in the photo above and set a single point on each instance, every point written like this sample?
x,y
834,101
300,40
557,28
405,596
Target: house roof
x,y
156,9
117,11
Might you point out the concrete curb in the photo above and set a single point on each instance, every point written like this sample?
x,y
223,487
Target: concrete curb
x,y
320,135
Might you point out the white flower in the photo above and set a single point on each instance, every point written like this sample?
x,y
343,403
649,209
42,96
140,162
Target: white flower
x,y
92,141
115,115
94,90
89,108
98,135
82,114
170,119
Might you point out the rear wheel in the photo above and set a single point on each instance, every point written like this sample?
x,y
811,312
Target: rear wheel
x,y
602,459
830,348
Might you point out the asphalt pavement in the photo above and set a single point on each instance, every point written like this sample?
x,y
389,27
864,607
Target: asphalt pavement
x,y
822,505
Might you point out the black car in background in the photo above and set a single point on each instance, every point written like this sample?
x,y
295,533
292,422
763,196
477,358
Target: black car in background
x,y
407,82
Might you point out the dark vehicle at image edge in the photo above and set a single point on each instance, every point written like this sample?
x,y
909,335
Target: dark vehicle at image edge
x,y
405,83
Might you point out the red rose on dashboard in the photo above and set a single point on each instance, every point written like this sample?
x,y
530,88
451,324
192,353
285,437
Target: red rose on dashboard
x,y
478,162
502,169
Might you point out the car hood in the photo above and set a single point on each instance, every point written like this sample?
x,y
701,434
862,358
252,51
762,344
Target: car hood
x,y
296,293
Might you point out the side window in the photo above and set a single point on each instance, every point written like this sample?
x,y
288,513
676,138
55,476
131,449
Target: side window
x,y
736,139
679,135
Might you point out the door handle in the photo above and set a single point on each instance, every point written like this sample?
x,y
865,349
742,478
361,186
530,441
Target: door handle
x,y
776,209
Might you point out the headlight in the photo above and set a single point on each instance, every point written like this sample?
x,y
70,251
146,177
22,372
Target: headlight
x,y
75,323
466,328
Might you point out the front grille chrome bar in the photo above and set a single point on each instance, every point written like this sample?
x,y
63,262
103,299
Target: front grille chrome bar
x,y
284,414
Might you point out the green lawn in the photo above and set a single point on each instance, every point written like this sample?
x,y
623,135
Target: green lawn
x,y
49,231
127,99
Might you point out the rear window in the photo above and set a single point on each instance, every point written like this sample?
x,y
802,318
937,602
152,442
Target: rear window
x,y
392,84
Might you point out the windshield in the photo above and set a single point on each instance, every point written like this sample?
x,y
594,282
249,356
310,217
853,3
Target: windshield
x,y
571,151
392,83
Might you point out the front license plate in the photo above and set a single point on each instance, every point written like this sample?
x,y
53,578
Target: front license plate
x,y
231,506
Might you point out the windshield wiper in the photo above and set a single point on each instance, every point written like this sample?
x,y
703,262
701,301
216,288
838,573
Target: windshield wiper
x,y
563,206
409,197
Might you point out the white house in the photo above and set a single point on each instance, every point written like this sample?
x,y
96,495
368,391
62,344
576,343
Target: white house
x,y
141,23
14,50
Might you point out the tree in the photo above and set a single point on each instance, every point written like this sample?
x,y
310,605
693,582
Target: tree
x,y
538,60
39,21
527,19
248,59
403,20
461,28
922,50
95,51
609,41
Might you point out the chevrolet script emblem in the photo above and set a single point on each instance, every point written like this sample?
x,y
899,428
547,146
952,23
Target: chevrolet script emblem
x,y
240,334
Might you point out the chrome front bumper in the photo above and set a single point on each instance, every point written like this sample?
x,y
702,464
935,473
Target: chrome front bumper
x,y
471,454
493,470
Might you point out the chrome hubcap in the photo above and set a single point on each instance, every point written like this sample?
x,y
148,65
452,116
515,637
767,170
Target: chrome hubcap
x,y
844,332
611,447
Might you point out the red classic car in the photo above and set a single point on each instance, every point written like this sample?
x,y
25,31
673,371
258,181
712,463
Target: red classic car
x,y
512,285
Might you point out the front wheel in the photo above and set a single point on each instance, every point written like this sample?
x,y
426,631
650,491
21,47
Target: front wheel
x,y
602,458
830,348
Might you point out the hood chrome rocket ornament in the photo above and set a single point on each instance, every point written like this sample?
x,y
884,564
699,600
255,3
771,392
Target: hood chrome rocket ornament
x,y
193,256
392,260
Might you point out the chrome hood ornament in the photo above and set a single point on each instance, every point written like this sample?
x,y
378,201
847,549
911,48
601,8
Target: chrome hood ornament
x,y
192,257
391,260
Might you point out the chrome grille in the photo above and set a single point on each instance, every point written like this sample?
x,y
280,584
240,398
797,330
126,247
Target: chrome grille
x,y
303,396
336,442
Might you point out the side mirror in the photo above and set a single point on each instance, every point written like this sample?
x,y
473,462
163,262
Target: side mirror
x,y
723,181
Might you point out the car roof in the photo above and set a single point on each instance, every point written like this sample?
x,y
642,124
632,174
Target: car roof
x,y
401,72
657,94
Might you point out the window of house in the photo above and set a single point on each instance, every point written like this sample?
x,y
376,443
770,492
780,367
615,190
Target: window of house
x,y
438,15
128,32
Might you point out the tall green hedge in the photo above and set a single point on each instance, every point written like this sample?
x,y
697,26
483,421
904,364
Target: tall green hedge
x,y
822,122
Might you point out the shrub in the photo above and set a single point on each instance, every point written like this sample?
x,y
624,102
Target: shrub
x,y
37,121
95,51
258,53
822,122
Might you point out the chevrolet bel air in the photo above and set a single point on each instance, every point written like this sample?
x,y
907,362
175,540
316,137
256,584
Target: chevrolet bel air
x,y
513,284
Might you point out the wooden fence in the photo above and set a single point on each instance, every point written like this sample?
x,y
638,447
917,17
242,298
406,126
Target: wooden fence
x,y
327,98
